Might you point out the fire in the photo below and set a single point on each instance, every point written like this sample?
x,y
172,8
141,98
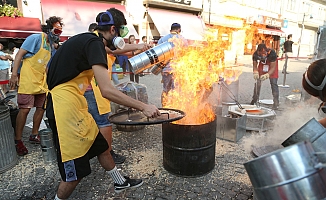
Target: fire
x,y
196,68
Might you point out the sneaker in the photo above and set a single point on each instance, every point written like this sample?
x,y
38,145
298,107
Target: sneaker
x,y
21,149
118,159
129,183
34,139
286,72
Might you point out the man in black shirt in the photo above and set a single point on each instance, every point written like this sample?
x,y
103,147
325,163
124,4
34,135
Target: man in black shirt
x,y
75,132
287,50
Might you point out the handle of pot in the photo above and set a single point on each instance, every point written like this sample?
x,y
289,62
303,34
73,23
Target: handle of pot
x,y
320,165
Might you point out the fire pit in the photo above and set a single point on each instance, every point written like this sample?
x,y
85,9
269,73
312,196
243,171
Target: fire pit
x,y
189,150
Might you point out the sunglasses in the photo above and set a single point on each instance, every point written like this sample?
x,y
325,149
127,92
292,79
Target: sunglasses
x,y
57,31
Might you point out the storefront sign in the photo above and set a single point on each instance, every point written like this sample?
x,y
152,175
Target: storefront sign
x,y
260,19
185,2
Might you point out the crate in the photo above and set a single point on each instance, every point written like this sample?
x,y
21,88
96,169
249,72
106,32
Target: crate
x,y
231,128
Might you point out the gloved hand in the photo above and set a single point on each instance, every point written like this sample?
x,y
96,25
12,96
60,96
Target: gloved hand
x,y
264,76
256,75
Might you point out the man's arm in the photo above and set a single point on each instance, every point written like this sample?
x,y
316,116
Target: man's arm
x,y
255,66
17,62
108,91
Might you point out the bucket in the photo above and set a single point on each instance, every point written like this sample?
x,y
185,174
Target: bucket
x,y
290,173
147,59
233,88
189,150
8,155
312,131
48,149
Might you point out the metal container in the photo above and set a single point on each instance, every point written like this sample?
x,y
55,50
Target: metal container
x,y
290,173
189,150
8,155
48,149
231,129
147,59
233,88
157,69
312,131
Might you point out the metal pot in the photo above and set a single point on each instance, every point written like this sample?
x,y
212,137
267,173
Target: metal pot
x,y
290,173
147,59
312,131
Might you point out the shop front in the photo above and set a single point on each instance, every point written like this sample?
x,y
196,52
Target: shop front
x,y
264,29
78,15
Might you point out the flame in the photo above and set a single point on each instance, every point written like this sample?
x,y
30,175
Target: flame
x,y
198,66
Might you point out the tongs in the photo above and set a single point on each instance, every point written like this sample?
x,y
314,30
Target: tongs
x,y
231,95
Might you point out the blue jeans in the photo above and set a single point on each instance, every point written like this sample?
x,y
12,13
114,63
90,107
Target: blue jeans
x,y
101,120
168,82
275,91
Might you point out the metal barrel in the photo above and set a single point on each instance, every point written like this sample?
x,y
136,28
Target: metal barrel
x,y
189,150
8,155
289,173
48,149
147,59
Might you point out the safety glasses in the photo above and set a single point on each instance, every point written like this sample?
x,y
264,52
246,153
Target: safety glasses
x,y
123,31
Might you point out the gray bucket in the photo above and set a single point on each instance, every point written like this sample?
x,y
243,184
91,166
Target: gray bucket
x,y
233,90
290,173
312,131
147,59
48,149
8,155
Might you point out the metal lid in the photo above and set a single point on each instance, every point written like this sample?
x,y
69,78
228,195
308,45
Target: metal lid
x,y
135,117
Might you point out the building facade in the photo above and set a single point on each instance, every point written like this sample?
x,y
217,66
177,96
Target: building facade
x,y
268,21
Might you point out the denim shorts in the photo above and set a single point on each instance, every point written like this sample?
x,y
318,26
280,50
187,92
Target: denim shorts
x,y
101,120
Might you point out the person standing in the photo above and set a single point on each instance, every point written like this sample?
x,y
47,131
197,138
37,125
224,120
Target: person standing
x,y
265,67
167,73
287,51
4,68
35,53
75,133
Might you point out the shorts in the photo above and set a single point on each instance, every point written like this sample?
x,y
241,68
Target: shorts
x,y
30,100
101,120
4,74
168,81
80,167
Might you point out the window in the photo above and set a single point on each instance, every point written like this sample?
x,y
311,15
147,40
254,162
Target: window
x,y
291,5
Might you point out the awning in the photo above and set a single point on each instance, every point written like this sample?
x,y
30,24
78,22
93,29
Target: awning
x,y
270,31
192,26
20,27
78,15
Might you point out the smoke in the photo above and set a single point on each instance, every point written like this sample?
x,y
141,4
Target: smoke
x,y
287,122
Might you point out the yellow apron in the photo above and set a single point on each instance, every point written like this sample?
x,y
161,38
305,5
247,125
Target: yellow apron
x,y
103,105
33,71
76,127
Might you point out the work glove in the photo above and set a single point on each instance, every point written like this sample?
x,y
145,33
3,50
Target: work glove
x,y
264,76
256,75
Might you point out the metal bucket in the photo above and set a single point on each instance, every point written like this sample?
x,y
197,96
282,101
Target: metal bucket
x,y
290,173
147,59
189,150
8,155
48,149
312,131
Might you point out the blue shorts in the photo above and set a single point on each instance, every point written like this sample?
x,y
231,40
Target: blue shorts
x,y
101,120
168,81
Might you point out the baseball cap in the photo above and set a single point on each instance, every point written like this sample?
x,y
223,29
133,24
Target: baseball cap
x,y
175,26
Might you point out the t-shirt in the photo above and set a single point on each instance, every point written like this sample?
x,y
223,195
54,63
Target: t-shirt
x,y
166,38
271,56
288,46
32,45
4,64
76,55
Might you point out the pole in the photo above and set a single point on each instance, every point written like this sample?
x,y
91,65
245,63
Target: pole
x,y
209,12
301,35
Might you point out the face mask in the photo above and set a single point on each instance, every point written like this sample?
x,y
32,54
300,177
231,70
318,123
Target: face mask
x,y
115,43
53,38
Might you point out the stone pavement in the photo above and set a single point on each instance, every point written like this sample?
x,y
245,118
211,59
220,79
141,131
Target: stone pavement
x,y
31,178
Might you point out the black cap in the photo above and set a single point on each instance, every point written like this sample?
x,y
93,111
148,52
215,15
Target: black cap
x,y
261,47
175,26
